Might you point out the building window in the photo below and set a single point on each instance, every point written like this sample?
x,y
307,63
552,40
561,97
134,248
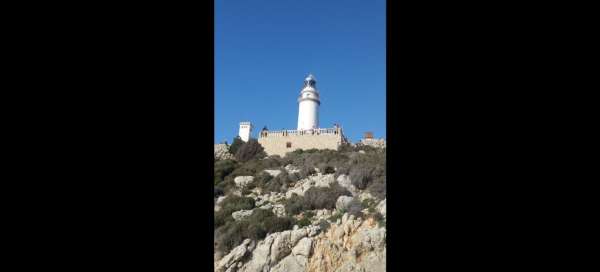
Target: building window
x,y
288,144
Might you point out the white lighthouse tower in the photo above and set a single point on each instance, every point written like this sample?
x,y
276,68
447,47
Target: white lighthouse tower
x,y
308,105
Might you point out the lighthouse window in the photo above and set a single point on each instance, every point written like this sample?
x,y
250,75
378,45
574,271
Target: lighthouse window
x,y
288,144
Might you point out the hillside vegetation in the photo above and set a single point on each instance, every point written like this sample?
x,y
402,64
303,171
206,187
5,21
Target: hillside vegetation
x,y
257,197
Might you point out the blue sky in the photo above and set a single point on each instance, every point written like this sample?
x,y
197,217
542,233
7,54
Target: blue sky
x,y
265,48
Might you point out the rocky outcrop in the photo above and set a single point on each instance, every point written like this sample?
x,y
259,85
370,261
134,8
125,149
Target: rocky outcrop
x,y
241,214
344,181
229,262
242,181
378,143
318,180
353,244
343,202
222,152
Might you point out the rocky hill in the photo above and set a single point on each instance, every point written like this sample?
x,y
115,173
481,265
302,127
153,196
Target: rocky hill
x,y
315,210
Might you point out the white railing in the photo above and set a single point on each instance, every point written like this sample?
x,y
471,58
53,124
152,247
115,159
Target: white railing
x,y
317,131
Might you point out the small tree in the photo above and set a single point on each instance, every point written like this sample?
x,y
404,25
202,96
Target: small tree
x,y
250,150
237,143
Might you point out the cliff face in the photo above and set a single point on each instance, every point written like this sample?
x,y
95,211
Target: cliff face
x,y
350,244
329,231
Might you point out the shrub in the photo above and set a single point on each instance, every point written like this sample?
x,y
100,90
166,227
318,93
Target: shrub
x,y
237,143
229,205
378,188
309,214
222,169
378,217
294,205
250,150
334,217
324,224
256,226
360,176
323,197
218,192
303,222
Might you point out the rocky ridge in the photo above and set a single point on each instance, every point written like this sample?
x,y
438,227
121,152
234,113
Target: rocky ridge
x,y
347,244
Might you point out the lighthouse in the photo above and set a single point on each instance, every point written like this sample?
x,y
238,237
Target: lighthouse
x,y
308,105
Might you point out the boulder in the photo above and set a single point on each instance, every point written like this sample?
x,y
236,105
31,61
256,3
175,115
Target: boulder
x,y
303,247
239,215
242,181
343,202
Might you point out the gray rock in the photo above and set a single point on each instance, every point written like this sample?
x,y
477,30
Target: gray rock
x,y
242,181
281,246
291,264
230,259
241,214
344,181
343,202
381,207
297,234
261,256
303,247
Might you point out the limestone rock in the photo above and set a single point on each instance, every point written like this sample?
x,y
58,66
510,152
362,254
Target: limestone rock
x,y
261,256
281,246
342,203
279,210
291,264
273,173
229,261
241,214
222,152
381,207
303,247
298,234
242,181
344,181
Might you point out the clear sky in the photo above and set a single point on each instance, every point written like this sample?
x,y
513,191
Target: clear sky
x,y
265,48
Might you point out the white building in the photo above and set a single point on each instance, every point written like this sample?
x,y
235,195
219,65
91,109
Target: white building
x,y
308,105
245,131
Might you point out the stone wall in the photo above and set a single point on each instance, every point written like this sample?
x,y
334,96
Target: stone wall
x,y
379,143
277,145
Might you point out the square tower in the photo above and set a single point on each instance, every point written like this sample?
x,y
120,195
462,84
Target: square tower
x,y
245,131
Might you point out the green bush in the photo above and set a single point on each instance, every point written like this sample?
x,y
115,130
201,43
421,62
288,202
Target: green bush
x,y
222,169
303,222
231,204
323,197
294,205
250,150
237,143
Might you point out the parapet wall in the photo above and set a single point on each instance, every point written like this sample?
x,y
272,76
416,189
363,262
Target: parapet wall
x,y
281,142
